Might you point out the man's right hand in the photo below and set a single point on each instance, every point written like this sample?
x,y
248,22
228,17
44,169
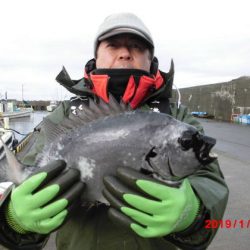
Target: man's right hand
x,y
42,202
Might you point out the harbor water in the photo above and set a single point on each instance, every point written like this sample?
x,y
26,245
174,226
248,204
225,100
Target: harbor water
x,y
26,125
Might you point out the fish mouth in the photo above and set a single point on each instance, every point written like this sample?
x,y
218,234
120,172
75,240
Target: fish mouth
x,y
201,145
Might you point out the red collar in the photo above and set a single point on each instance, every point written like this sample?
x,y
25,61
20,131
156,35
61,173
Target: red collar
x,y
133,95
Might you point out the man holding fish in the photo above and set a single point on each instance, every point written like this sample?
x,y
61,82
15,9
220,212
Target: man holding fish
x,y
139,180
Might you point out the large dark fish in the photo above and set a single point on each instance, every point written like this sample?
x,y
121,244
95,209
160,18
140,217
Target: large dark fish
x,y
101,137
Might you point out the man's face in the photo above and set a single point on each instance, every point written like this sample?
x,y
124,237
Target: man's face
x,y
123,51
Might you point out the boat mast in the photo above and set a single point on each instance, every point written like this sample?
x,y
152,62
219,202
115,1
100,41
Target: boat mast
x,y
22,92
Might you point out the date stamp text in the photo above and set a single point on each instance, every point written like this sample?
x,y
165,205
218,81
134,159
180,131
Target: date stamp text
x,y
228,223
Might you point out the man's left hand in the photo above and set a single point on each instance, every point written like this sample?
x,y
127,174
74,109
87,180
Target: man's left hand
x,y
149,207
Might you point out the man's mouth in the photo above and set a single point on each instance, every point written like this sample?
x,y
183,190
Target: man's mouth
x,y
123,66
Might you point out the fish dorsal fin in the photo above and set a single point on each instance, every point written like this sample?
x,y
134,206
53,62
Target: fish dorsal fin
x,y
114,105
100,108
124,107
82,115
96,108
105,107
89,112
52,131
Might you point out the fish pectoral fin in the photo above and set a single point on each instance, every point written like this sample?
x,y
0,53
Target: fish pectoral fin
x,y
159,170
151,154
147,166
159,163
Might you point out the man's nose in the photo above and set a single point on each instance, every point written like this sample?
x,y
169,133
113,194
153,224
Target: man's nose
x,y
124,53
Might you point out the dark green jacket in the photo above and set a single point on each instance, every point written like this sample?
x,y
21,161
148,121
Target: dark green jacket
x,y
92,230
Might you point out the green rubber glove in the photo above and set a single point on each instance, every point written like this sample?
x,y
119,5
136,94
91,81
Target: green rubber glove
x,y
41,203
150,208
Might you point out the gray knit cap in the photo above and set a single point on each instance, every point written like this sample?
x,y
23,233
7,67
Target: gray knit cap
x,y
122,23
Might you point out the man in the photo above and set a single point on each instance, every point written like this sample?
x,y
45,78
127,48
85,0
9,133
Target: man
x,y
144,213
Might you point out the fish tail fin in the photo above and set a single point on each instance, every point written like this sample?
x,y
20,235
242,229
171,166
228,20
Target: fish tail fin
x,y
14,168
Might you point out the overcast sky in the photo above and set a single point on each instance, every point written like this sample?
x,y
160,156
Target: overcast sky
x,y
208,40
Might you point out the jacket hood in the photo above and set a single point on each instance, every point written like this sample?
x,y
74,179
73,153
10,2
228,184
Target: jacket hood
x,y
83,86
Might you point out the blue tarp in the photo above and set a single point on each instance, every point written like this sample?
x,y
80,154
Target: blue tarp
x,y
198,113
242,119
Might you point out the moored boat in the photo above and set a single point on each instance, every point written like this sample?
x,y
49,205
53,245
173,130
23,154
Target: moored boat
x,y
9,108
26,112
